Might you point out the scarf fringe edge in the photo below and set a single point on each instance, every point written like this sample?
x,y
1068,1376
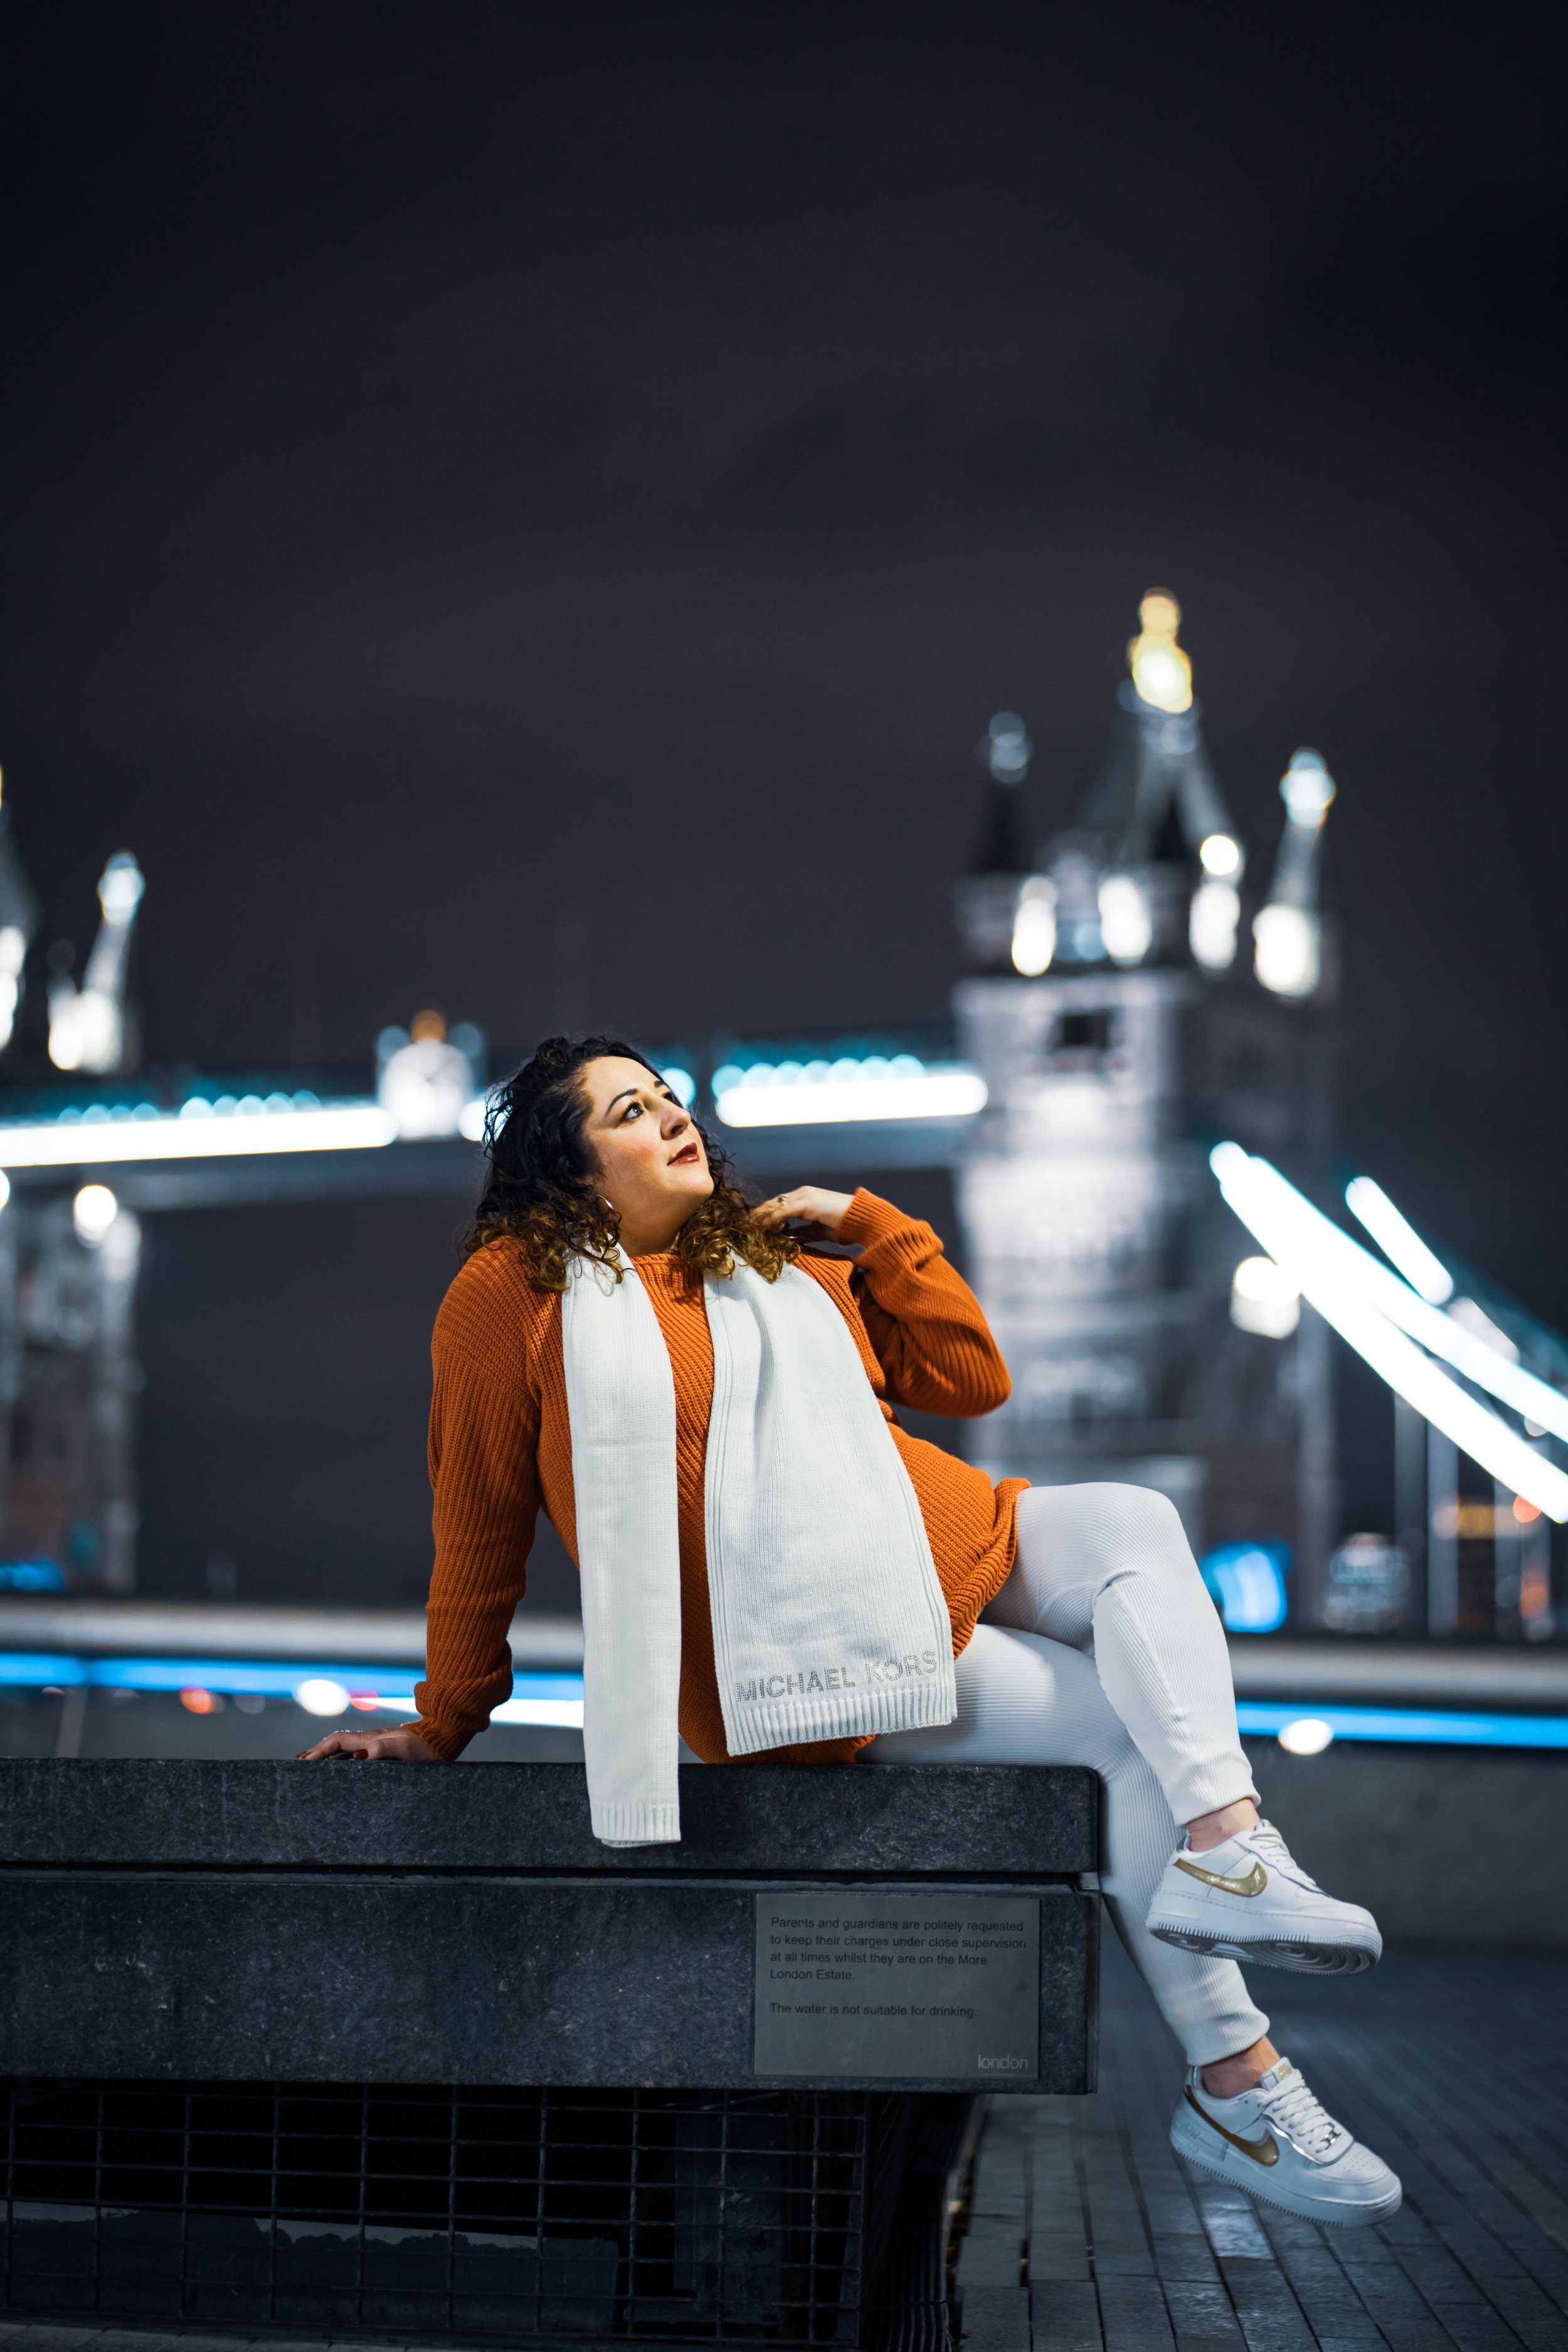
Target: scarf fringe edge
x,y
795,1722
637,1824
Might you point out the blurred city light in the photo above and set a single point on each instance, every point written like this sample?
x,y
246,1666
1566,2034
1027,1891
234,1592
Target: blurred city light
x,y
559,1714
1480,1351
555,1700
1366,1587
1246,1584
1289,957
1288,932
1399,1242
87,1024
1212,921
1221,857
681,1084
1161,670
1006,749
1263,1299
1479,1325
426,1080
552,1700
800,1093
1125,921
322,1695
1329,1267
31,1576
13,955
1419,1726
1035,927
93,1211
21,918
1307,1736
1307,790
224,1129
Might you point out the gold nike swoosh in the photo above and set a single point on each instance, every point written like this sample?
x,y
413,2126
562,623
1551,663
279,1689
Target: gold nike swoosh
x,y
1255,1882
1262,2152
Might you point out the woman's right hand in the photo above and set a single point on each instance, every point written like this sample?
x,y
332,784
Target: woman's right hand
x,y
819,1211
370,1748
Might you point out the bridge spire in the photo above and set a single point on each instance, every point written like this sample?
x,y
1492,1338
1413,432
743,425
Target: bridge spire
x,y
1288,931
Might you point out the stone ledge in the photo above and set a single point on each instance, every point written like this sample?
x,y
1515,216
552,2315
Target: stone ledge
x,y
984,1821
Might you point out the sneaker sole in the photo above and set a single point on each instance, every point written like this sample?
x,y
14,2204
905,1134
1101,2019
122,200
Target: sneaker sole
x,y
1306,2209
1307,1959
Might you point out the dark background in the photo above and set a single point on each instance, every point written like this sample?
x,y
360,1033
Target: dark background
x,y
482,476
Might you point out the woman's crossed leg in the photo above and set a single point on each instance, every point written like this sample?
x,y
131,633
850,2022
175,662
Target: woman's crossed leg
x,y
1104,1649
1023,1699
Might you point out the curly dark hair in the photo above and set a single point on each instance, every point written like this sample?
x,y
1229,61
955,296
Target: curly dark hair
x,y
540,1192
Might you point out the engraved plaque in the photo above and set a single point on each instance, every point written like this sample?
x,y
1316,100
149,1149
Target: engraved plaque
x,y
913,1987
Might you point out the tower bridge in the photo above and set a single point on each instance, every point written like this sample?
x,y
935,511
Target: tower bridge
x,y
1139,1030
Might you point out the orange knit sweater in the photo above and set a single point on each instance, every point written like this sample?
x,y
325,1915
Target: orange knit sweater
x,y
501,1445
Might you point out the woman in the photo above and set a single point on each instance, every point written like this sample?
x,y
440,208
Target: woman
x,y
706,1412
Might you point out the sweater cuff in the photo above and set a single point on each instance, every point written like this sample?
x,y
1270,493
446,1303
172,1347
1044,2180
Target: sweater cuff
x,y
442,1743
868,1220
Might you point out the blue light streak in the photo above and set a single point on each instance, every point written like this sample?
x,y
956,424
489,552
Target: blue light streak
x,y
1413,1725
242,1677
394,1686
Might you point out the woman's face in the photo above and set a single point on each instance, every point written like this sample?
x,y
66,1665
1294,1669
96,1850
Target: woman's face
x,y
648,1157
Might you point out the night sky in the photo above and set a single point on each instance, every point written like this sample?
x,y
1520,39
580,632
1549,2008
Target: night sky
x,y
481,476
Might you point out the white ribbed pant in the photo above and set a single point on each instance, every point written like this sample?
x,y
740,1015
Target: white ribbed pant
x,y
1103,1648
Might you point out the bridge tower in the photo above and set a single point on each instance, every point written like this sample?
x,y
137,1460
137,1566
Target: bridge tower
x,y
1123,1027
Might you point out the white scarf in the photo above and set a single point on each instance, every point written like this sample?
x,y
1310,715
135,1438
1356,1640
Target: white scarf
x,y
828,1620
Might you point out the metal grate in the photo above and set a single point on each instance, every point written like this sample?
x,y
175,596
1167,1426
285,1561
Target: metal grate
x,y
721,2216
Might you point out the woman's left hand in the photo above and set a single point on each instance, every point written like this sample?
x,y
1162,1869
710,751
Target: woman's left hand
x,y
809,1205
402,1746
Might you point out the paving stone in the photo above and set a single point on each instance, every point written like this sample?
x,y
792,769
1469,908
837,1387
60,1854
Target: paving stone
x,y
1128,2250
996,2319
992,2256
1065,2316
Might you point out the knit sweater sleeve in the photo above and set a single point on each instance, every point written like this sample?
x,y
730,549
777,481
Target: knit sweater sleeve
x,y
924,1322
484,1444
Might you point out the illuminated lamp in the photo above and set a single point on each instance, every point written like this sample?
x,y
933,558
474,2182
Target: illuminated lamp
x,y
1124,920
1246,1583
320,1695
13,955
1264,1300
1212,924
93,1211
1288,950
1307,1736
1161,670
426,1083
1035,927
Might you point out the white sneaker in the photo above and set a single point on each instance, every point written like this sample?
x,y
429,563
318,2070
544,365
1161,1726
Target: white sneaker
x,y
1248,1900
1279,2144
